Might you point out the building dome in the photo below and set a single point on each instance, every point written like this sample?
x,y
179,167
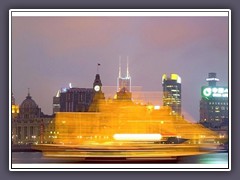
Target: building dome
x,y
28,103
29,108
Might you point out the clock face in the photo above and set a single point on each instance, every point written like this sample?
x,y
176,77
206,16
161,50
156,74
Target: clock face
x,y
97,88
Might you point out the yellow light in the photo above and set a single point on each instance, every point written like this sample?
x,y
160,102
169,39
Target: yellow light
x,y
164,77
137,137
174,76
15,109
149,107
156,107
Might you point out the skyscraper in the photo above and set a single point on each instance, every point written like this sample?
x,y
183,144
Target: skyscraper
x,y
123,84
214,103
172,92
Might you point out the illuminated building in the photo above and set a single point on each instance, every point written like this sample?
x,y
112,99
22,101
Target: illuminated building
x,y
15,108
172,92
214,104
31,126
123,84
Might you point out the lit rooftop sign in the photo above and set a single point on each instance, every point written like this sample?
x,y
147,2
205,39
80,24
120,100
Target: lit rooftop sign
x,y
174,77
209,92
212,79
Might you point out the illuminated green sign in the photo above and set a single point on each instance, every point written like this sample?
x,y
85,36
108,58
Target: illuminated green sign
x,y
208,91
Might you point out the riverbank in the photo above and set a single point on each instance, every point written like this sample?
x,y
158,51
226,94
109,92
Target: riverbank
x,y
23,148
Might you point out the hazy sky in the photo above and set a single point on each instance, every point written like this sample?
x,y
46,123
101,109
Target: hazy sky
x,y
50,52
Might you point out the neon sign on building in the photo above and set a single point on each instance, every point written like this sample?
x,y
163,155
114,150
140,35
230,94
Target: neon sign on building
x,y
209,92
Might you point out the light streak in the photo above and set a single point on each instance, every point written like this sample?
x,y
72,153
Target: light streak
x,y
137,137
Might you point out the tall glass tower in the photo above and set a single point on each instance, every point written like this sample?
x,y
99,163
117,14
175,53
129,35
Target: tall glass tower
x,y
214,104
172,92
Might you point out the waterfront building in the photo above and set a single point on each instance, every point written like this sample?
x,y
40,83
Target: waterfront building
x,y
31,126
172,92
29,109
98,96
214,112
75,99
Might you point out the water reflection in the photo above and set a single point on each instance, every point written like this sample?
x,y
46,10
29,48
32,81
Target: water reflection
x,y
37,157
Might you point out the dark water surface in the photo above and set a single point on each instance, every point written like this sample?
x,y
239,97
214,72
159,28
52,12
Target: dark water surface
x,y
37,157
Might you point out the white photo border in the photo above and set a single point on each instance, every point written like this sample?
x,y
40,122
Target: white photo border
x,y
119,12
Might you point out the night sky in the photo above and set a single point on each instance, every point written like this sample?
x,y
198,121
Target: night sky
x,y
48,53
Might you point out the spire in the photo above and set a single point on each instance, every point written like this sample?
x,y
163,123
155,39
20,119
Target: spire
x,y
98,68
28,95
127,69
119,73
13,99
58,93
97,80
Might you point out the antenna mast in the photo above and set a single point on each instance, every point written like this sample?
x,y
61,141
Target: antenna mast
x,y
127,69
119,72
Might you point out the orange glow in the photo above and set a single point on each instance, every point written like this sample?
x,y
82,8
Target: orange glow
x,y
123,117
128,130
15,110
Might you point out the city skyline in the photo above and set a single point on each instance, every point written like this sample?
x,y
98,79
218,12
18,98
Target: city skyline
x,y
48,53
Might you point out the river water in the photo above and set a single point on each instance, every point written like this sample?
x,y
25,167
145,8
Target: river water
x,y
37,157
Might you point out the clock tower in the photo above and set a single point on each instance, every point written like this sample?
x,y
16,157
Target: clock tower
x,y
98,96
97,85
